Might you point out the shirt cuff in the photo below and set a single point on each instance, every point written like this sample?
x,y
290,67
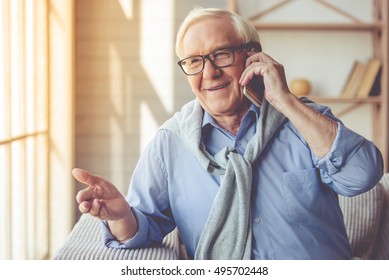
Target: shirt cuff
x,y
137,241
344,147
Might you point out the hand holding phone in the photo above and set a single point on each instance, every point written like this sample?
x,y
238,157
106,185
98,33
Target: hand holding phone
x,y
254,91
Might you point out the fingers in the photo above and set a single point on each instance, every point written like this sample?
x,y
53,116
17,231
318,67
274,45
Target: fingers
x,y
258,57
85,177
93,199
252,57
85,195
92,207
260,64
254,65
94,182
255,69
96,207
84,207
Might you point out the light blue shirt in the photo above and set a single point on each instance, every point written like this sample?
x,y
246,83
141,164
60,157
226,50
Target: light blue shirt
x,y
295,210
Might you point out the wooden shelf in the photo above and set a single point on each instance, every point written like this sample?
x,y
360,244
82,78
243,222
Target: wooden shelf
x,y
318,26
323,99
351,103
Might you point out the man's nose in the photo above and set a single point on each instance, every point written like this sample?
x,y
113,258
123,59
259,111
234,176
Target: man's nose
x,y
210,69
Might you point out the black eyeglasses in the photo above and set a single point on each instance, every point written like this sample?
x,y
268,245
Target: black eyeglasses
x,y
219,58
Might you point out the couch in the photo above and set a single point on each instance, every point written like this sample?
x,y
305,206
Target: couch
x,y
85,243
366,218
367,221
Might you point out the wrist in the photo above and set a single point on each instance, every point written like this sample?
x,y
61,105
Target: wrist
x,y
284,102
124,228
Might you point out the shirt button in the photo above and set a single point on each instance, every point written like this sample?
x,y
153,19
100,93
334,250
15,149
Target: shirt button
x,y
238,143
258,220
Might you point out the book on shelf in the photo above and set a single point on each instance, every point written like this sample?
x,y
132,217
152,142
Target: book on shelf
x,y
363,80
370,85
354,80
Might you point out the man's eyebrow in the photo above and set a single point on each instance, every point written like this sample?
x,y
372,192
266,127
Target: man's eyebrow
x,y
224,46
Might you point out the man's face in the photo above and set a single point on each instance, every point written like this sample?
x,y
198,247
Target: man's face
x,y
217,89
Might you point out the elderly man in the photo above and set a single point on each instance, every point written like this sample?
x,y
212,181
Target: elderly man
x,y
240,180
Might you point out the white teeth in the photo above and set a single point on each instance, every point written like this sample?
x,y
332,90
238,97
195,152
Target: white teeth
x,y
219,87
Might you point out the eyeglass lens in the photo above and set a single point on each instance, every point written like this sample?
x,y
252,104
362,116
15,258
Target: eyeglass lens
x,y
195,64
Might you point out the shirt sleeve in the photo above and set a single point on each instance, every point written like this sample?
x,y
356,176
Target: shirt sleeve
x,y
353,165
149,200
139,240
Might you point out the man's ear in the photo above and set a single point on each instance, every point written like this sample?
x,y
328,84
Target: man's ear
x,y
255,47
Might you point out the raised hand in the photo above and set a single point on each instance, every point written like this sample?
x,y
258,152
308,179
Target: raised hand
x,y
101,198
276,87
318,130
104,201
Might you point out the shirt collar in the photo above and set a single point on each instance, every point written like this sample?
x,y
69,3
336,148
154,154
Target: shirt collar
x,y
208,119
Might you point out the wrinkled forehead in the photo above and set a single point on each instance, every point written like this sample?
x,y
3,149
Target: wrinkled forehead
x,y
207,35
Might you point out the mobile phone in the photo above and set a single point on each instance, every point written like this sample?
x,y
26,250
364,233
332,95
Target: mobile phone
x,y
254,91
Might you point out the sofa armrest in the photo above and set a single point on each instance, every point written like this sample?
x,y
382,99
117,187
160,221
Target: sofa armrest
x,y
366,218
85,243
381,250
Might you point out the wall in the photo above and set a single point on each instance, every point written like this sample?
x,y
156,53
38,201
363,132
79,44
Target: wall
x,y
127,79
128,83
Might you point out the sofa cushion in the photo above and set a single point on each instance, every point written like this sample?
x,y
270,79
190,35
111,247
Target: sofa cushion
x,y
85,243
362,215
381,250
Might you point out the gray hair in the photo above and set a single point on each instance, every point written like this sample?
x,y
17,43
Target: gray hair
x,y
244,29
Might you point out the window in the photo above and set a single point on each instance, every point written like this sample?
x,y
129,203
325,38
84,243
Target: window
x,y
29,152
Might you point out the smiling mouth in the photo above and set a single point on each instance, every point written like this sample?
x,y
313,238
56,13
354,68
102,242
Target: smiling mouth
x,y
218,87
